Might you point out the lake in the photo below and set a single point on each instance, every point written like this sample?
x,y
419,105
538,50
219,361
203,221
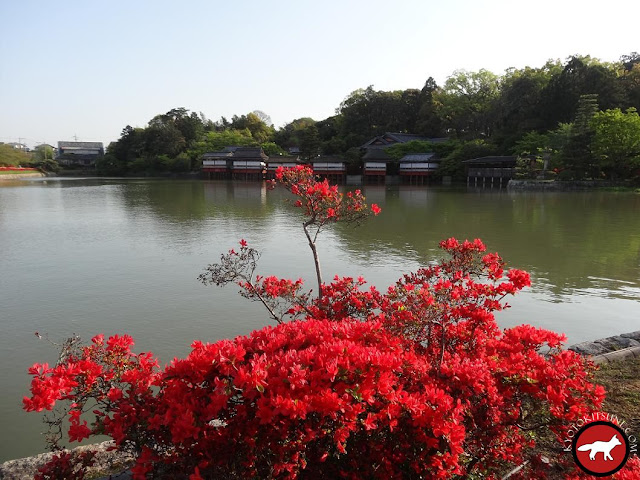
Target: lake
x,y
109,256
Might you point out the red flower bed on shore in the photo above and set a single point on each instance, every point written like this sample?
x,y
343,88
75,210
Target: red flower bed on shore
x,y
18,169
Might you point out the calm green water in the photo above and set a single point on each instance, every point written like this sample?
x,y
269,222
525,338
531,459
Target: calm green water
x,y
122,256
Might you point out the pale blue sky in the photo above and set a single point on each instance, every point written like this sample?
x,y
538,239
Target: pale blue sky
x,y
89,68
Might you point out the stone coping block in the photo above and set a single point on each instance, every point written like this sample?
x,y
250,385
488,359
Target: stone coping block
x,y
610,349
105,463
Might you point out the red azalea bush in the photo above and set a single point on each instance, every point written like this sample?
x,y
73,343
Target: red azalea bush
x,y
306,399
415,382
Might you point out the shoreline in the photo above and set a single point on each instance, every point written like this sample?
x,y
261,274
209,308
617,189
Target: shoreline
x,y
525,185
567,186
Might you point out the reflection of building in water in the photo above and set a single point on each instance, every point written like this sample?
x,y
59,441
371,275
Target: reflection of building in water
x,y
410,195
490,170
254,192
218,193
376,194
226,193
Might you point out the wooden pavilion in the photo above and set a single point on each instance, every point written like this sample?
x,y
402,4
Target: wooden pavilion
x,y
490,170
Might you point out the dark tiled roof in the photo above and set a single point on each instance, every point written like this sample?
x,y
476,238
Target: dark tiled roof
x,y
249,153
327,159
284,159
417,157
222,154
391,138
376,154
491,160
82,145
225,152
406,137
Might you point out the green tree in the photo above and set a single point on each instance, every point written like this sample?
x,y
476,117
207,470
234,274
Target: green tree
x,y
580,76
260,131
42,158
290,135
42,153
163,139
310,142
616,142
109,165
129,146
190,126
519,103
428,121
216,141
576,153
367,112
272,148
264,118
468,102
630,80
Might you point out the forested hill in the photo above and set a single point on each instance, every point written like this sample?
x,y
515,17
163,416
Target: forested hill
x,y
581,112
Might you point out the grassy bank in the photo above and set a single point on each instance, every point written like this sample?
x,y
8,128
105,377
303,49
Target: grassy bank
x,y
622,382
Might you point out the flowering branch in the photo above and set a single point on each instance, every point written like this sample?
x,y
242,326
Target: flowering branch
x,y
281,297
322,205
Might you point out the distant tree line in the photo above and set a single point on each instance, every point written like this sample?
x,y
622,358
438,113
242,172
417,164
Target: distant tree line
x,y
578,119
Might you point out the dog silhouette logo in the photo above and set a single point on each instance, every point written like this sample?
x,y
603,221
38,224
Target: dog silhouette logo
x,y
600,448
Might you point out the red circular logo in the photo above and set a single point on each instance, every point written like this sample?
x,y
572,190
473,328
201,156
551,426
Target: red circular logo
x,y
600,448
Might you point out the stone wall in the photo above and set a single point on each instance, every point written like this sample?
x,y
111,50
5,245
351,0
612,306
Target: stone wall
x,y
561,186
610,349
